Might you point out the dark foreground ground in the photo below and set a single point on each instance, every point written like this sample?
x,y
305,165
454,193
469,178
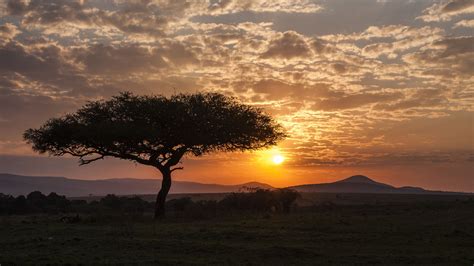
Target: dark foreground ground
x,y
386,231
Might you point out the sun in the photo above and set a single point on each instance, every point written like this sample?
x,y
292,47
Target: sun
x,y
278,159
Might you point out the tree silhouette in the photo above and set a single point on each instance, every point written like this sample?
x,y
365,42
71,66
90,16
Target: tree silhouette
x,y
156,131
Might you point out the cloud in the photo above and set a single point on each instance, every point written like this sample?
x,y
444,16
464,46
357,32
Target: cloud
x,y
446,11
287,45
108,59
8,31
283,6
50,13
132,17
449,56
394,32
322,47
152,18
340,68
420,99
350,101
21,109
465,23
41,65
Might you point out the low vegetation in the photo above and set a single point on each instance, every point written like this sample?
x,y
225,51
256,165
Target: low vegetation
x,y
239,229
254,200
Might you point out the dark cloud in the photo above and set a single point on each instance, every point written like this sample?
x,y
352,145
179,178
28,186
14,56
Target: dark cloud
x,y
43,63
15,57
340,68
273,89
322,47
454,55
456,46
142,17
20,110
8,31
18,7
47,12
42,69
108,59
131,58
446,11
457,5
180,54
287,45
421,99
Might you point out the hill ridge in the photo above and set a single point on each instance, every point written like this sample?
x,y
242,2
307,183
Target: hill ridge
x,y
20,185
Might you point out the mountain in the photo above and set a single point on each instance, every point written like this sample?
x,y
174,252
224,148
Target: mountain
x,y
22,185
363,184
362,179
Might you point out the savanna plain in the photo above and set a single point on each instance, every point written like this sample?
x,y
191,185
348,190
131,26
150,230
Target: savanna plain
x,y
324,228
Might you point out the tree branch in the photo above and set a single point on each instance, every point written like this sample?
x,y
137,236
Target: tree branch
x,y
176,168
88,161
176,157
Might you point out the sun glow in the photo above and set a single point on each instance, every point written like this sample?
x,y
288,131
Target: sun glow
x,y
278,159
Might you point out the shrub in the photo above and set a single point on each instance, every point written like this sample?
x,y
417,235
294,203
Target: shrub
x,y
124,205
280,200
179,204
261,200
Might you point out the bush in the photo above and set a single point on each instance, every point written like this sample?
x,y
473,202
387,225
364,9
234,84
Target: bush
x,y
261,200
179,204
8,203
124,205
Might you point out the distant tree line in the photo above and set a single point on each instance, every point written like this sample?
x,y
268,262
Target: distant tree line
x,y
257,200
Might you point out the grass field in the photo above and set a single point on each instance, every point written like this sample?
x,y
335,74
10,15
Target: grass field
x,y
388,230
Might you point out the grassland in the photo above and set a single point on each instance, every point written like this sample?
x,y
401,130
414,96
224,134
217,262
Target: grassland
x,y
333,229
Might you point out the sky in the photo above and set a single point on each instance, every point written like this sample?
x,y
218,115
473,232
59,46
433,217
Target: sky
x,y
375,87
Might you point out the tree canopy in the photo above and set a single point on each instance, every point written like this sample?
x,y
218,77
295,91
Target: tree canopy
x,y
156,130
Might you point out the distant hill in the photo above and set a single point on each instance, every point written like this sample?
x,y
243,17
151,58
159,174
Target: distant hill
x,y
22,185
363,184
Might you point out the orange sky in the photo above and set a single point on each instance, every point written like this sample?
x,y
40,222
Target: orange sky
x,y
381,88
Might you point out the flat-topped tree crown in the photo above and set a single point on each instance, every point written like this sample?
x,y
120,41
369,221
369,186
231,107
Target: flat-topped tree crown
x,y
156,130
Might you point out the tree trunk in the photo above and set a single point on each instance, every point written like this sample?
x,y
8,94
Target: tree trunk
x,y
161,197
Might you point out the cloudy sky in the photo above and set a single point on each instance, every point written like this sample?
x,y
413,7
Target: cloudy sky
x,y
376,87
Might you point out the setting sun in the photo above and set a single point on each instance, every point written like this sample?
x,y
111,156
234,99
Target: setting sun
x,y
278,159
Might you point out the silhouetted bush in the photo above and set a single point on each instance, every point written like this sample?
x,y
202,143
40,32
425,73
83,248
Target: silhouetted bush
x,y
111,202
20,206
261,200
279,200
179,204
36,201
123,205
8,203
285,198
201,209
56,203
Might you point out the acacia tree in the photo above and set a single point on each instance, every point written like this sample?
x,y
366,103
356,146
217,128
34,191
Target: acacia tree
x,y
156,131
